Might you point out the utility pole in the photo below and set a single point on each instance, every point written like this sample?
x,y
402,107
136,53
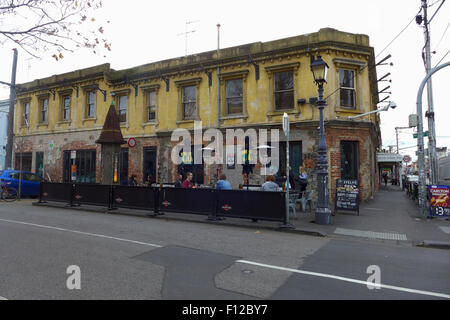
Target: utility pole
x,y
430,113
12,98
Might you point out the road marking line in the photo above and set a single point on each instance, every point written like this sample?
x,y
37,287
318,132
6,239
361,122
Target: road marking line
x,y
371,234
83,233
3,298
324,275
445,229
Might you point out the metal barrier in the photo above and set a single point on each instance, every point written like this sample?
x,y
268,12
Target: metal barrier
x,y
257,205
92,194
133,197
196,201
60,192
260,205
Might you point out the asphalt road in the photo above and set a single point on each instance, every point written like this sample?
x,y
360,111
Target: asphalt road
x,y
123,257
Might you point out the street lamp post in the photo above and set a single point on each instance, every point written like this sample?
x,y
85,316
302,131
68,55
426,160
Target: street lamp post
x,y
319,70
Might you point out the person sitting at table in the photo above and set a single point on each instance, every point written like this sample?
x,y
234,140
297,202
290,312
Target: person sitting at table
x,y
179,182
223,183
270,184
187,184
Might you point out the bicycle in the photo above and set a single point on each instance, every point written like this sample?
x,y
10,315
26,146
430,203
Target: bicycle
x,y
8,193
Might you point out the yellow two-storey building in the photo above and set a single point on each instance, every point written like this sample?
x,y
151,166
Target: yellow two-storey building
x,y
248,87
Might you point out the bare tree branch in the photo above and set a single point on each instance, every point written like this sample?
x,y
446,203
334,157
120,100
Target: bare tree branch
x,y
57,25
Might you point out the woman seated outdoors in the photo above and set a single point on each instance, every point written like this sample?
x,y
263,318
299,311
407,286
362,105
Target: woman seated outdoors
x,y
270,184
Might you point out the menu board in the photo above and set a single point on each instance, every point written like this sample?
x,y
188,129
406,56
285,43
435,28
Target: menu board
x,y
347,195
439,201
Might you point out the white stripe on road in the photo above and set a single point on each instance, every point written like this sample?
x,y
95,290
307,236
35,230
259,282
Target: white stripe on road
x,y
324,275
81,232
445,229
2,298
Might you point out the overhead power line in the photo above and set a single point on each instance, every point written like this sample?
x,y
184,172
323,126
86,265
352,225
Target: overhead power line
x,y
395,38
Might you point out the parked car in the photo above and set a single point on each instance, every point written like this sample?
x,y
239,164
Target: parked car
x,y
30,183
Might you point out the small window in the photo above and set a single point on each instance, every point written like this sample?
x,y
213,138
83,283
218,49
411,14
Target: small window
x,y
66,108
284,90
151,105
44,110
189,102
90,104
234,96
123,103
26,114
347,88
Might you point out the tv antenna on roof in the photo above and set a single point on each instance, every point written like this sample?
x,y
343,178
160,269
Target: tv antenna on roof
x,y
185,33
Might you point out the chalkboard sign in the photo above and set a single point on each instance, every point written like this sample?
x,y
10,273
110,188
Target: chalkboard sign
x,y
347,195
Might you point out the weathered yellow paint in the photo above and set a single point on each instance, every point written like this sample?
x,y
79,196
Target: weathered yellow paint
x,y
333,44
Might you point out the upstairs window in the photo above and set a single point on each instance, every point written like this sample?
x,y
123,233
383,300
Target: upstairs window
x,y
284,90
189,102
234,96
123,106
65,108
26,114
151,105
43,104
90,104
347,89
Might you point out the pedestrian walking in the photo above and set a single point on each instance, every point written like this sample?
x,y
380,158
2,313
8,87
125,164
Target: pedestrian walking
x,y
385,178
150,180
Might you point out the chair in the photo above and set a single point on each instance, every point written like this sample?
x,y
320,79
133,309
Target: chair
x,y
292,203
307,197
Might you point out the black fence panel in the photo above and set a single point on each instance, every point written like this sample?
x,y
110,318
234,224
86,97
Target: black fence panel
x,y
60,192
92,194
134,197
196,201
260,205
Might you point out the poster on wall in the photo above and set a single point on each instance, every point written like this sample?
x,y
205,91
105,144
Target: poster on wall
x,y
439,197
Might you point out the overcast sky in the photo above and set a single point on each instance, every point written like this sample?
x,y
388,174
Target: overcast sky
x,y
147,31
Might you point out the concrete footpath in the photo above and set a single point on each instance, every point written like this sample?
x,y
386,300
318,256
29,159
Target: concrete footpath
x,y
390,216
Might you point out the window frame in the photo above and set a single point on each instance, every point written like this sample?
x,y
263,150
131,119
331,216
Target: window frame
x,y
230,76
181,85
117,95
88,103
147,90
25,114
348,88
356,66
41,100
64,108
283,91
271,71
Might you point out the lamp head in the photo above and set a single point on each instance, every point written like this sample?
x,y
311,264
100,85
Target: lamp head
x,y
319,69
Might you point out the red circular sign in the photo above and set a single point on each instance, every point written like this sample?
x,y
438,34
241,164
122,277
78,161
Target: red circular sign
x,y
406,158
131,142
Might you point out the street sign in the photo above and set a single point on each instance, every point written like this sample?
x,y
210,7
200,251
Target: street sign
x,y
406,158
73,154
285,123
131,142
439,201
425,134
51,145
